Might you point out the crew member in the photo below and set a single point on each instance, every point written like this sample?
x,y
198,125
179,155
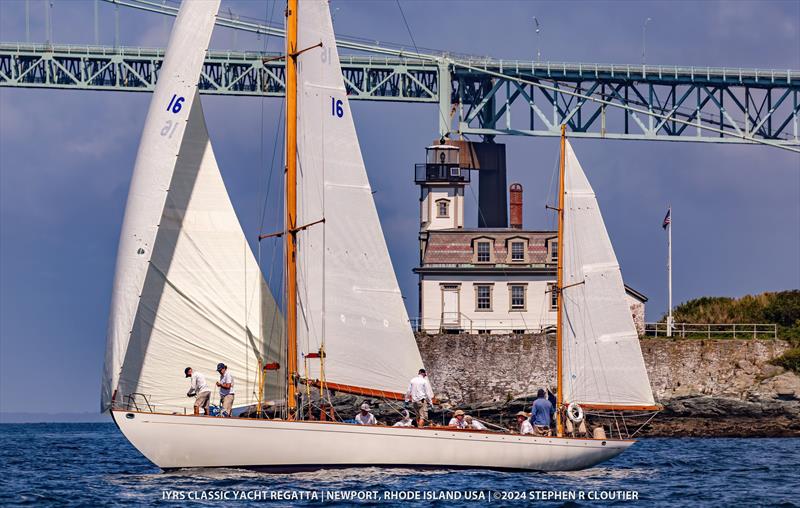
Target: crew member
x,y
473,423
198,388
542,414
406,421
226,393
420,394
523,423
457,420
365,416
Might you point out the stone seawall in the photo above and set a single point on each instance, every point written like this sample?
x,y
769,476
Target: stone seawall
x,y
708,387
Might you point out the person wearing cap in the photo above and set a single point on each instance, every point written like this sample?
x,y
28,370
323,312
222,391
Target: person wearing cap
x,y
226,393
473,423
365,416
420,395
524,424
542,413
406,421
198,388
457,420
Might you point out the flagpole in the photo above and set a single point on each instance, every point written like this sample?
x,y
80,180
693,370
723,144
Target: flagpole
x,y
669,273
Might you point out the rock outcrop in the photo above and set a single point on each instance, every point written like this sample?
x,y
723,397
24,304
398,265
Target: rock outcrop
x,y
717,387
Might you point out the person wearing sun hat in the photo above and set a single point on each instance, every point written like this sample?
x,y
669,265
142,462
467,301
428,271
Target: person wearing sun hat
x,y
473,423
406,421
365,416
524,423
457,420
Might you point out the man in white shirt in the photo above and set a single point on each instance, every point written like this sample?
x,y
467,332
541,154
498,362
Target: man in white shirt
x,y
226,393
199,389
524,423
406,421
457,420
420,394
365,417
473,423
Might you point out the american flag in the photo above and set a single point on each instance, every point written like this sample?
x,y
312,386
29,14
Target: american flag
x,y
667,219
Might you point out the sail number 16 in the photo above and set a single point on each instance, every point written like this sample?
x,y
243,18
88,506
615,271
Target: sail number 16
x,y
175,104
337,107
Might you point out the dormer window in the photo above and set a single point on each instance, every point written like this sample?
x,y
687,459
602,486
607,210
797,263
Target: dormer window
x,y
483,250
552,251
517,251
443,208
484,253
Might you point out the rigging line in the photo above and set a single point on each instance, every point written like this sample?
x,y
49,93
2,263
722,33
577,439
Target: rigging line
x,y
591,98
278,131
552,219
508,253
414,42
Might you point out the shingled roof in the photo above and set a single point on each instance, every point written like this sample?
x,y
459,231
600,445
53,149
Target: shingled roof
x,y
455,246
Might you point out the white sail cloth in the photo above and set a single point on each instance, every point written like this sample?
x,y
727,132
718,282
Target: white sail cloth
x,y
602,358
347,289
187,289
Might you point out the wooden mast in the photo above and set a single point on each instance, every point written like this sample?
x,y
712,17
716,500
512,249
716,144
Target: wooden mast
x,y
559,285
291,208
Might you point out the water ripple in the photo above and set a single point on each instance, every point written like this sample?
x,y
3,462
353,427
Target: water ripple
x,y
92,464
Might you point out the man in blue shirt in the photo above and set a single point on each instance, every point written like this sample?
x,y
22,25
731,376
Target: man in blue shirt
x,y
541,414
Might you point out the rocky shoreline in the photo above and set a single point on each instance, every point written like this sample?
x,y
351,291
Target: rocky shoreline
x,y
700,416
709,388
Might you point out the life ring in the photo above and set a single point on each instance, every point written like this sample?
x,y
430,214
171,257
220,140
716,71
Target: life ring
x,y
575,412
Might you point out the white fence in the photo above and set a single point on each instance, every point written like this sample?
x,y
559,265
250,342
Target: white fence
x,y
456,322
714,330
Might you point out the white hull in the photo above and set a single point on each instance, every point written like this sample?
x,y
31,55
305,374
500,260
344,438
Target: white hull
x,y
178,441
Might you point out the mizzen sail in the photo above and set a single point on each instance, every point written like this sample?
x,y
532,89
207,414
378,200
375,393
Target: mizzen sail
x,y
603,364
187,288
348,296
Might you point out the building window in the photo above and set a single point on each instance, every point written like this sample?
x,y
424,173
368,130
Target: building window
x,y
517,297
517,251
553,294
553,256
483,297
443,208
484,252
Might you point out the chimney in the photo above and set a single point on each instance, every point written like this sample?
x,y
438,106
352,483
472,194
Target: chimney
x,y
515,190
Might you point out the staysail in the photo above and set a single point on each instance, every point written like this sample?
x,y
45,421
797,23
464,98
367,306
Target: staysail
x,y
603,364
187,290
347,289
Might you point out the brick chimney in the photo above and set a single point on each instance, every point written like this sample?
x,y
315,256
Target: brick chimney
x,y
515,206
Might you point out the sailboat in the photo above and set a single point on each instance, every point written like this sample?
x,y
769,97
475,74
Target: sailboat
x,y
188,291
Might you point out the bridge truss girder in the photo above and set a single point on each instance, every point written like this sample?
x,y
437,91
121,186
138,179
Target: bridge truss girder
x,y
486,98
225,73
651,103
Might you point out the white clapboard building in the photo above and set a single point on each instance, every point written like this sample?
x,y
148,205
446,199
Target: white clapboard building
x,y
483,280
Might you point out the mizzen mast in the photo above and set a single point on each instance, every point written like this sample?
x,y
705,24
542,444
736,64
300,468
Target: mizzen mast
x,y
559,286
291,208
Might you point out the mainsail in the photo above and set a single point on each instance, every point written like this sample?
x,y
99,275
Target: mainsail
x,y
187,289
603,364
348,296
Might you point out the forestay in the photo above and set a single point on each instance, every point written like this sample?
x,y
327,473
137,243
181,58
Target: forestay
x,y
347,289
603,362
187,288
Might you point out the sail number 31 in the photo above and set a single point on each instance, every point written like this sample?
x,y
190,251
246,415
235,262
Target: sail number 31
x,y
337,107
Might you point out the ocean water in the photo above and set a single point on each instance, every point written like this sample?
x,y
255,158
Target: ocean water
x,y
88,464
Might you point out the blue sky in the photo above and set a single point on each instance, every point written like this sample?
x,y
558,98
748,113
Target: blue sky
x,y
66,159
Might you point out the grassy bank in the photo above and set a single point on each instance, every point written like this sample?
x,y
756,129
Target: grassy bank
x,y
781,308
